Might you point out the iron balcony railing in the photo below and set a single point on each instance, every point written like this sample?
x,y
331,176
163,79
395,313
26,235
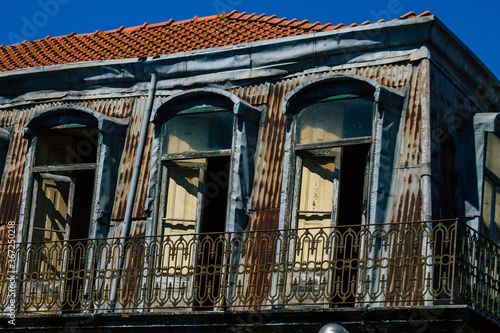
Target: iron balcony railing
x,y
398,264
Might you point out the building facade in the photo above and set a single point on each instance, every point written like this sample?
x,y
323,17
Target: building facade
x,y
245,172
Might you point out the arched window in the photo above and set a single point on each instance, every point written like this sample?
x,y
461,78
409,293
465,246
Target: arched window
x,y
337,127
73,164
203,164
333,133
336,177
73,158
205,142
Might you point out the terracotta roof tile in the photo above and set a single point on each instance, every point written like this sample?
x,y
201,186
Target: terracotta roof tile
x,y
149,40
408,15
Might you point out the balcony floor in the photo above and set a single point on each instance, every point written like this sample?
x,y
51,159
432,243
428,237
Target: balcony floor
x,y
449,318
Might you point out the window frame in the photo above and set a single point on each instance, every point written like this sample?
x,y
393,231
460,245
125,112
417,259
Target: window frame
x,y
110,140
494,181
484,123
4,149
183,159
388,109
241,170
310,149
108,148
244,136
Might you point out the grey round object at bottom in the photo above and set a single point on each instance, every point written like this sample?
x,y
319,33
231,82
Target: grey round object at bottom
x,y
332,328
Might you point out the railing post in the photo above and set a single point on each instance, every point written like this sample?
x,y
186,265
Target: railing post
x,y
454,269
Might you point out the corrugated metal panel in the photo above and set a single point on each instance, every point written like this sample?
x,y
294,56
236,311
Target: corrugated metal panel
x,y
269,169
255,95
112,107
406,204
266,191
128,157
410,153
13,177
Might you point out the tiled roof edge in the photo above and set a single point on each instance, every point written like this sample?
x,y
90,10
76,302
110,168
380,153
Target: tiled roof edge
x,y
234,15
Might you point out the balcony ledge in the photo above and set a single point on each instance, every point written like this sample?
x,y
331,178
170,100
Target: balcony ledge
x,y
437,318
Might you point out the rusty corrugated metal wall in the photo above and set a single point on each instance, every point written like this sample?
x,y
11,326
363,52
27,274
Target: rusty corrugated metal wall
x,y
406,201
269,168
406,205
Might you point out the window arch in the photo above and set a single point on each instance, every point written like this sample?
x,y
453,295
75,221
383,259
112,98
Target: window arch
x,y
210,136
74,152
339,120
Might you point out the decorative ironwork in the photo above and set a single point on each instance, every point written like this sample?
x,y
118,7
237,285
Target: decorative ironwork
x,y
403,264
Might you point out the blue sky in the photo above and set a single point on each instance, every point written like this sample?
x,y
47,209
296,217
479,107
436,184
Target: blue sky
x,y
476,23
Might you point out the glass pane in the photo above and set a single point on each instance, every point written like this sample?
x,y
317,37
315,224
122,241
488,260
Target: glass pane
x,y
487,207
493,154
199,132
336,119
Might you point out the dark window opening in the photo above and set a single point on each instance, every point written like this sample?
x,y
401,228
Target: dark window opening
x,y
352,184
61,212
351,208
213,223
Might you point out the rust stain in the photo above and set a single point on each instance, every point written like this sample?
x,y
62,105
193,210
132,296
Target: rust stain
x,y
127,163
